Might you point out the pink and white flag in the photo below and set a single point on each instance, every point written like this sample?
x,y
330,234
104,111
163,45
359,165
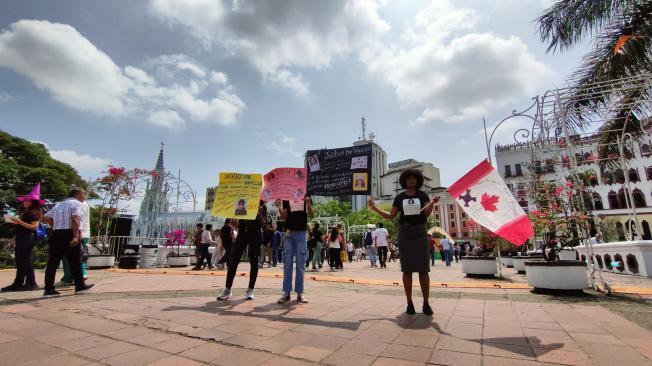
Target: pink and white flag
x,y
484,196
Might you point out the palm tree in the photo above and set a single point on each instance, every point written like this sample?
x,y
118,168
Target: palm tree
x,y
566,23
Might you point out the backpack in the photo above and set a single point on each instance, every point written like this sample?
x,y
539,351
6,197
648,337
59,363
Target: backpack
x,y
368,239
41,233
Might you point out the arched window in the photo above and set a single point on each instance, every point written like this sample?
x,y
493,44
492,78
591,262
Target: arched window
x,y
597,202
647,235
620,231
612,197
608,177
648,172
645,150
639,198
619,176
623,200
593,180
633,175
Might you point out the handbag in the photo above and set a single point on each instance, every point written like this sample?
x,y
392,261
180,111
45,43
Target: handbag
x,y
41,233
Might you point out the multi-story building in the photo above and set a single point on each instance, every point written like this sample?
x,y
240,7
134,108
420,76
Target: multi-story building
x,y
607,191
449,216
390,180
210,198
378,169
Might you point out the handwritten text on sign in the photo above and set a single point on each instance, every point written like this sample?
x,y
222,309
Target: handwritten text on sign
x,y
237,196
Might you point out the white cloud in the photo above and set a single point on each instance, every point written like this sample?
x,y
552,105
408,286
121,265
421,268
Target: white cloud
x,y
283,144
79,75
6,97
83,163
276,36
453,73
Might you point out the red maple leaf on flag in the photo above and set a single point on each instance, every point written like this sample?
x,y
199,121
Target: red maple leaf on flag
x,y
489,202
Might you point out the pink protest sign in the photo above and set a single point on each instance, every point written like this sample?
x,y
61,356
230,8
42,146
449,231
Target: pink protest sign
x,y
284,184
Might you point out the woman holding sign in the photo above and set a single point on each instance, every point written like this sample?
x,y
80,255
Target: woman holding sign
x,y
413,207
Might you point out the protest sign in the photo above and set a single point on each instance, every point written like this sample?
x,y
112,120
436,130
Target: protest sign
x,y
284,184
237,196
335,172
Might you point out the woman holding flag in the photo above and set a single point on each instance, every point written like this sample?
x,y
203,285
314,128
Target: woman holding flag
x,y
413,207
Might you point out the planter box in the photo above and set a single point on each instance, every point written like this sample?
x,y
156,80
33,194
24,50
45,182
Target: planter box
x,y
479,266
128,262
519,262
507,261
632,257
556,276
100,261
183,261
567,255
148,255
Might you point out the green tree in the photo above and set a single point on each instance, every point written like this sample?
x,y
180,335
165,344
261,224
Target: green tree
x,y
22,165
333,208
567,22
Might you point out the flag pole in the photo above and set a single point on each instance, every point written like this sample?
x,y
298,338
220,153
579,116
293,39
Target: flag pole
x,y
487,141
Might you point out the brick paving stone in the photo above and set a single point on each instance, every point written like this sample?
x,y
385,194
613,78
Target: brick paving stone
x,y
607,354
383,361
17,352
561,356
458,345
595,338
138,357
242,357
107,350
150,338
410,353
244,340
377,336
126,333
502,361
507,350
364,347
342,358
207,352
209,333
178,344
453,358
326,342
175,361
63,359
265,331
314,354
409,339
8,338
79,344
282,361
541,325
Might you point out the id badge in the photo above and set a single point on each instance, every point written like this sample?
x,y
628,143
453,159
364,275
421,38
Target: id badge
x,y
411,206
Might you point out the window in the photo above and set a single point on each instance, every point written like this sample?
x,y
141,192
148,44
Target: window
x,y
633,175
454,235
508,171
463,215
612,197
452,223
639,198
451,208
648,173
465,234
620,176
517,168
597,202
645,150
436,216
452,216
464,223
623,200
523,203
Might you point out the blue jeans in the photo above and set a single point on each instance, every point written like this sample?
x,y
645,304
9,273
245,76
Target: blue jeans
x,y
447,257
275,254
371,252
295,249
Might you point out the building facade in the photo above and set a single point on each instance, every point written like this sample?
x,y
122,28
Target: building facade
x,y
210,198
378,169
449,216
390,180
607,193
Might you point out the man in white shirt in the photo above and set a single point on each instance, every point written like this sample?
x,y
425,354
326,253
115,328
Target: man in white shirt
x,y
380,236
446,250
64,241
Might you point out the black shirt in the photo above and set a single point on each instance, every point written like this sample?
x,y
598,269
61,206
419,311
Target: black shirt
x,y
24,233
297,220
251,231
226,233
409,207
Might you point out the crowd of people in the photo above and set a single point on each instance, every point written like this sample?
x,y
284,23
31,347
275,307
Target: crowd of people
x,y
295,244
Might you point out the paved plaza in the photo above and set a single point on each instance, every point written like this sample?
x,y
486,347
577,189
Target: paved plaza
x,y
172,318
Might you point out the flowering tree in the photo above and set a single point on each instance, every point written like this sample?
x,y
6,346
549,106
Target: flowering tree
x,y
175,238
487,240
562,212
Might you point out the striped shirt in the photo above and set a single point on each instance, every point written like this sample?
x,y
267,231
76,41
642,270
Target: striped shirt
x,y
62,213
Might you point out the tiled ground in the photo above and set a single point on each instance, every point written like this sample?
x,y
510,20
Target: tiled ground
x,y
138,319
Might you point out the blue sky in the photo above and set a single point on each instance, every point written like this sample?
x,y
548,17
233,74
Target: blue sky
x,y
250,85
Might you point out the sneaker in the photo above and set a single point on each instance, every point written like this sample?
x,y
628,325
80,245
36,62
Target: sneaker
x,y
85,287
410,309
51,292
10,288
224,295
250,294
29,287
427,309
301,299
284,299
63,284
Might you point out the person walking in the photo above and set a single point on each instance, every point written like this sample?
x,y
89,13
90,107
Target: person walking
x,y
295,248
217,255
25,240
369,245
250,237
350,249
199,230
204,247
413,206
227,234
456,252
333,243
266,248
446,250
433,248
85,228
317,237
380,236
65,220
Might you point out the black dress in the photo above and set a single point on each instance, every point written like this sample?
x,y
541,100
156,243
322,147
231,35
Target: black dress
x,y
413,240
25,241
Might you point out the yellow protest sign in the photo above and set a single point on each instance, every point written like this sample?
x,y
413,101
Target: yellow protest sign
x,y
237,196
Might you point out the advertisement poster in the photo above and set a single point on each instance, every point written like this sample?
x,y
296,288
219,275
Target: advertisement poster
x,y
287,184
336,172
237,196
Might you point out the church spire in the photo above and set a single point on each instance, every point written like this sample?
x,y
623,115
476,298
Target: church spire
x,y
159,161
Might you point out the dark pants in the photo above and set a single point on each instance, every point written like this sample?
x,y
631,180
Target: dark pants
x,y
59,248
350,256
275,255
334,260
24,265
204,255
226,258
432,257
382,256
238,249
